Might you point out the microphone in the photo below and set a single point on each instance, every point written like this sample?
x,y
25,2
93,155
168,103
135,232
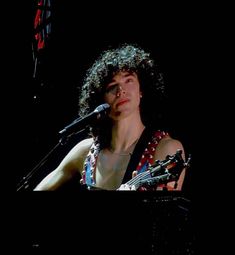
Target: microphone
x,y
80,123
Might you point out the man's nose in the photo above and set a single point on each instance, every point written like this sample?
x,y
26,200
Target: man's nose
x,y
120,90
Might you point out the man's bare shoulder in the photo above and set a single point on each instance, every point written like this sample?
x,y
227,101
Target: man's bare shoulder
x,y
75,158
83,146
168,146
169,141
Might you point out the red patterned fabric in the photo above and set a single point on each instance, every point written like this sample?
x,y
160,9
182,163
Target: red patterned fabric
x,y
42,26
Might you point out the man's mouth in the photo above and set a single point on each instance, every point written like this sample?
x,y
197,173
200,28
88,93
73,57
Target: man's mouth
x,y
122,102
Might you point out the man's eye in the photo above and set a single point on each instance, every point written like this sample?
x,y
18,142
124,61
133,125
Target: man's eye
x,y
129,80
111,88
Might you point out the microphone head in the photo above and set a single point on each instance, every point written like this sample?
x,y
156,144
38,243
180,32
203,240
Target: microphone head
x,y
102,107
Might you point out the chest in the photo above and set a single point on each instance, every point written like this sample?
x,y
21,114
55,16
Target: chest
x,y
107,171
110,170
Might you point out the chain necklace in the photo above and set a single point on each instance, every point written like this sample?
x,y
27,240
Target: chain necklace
x,y
122,153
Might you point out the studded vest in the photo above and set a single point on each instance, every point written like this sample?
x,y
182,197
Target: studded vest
x,y
145,161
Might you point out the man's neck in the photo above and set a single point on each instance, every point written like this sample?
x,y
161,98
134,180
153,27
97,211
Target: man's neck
x,y
125,133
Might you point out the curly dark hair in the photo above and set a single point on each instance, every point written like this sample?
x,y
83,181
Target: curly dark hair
x,y
130,58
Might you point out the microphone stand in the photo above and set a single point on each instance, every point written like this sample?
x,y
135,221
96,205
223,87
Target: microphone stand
x,y
25,181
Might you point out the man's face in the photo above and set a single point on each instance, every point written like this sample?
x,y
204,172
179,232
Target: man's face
x,y
123,94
